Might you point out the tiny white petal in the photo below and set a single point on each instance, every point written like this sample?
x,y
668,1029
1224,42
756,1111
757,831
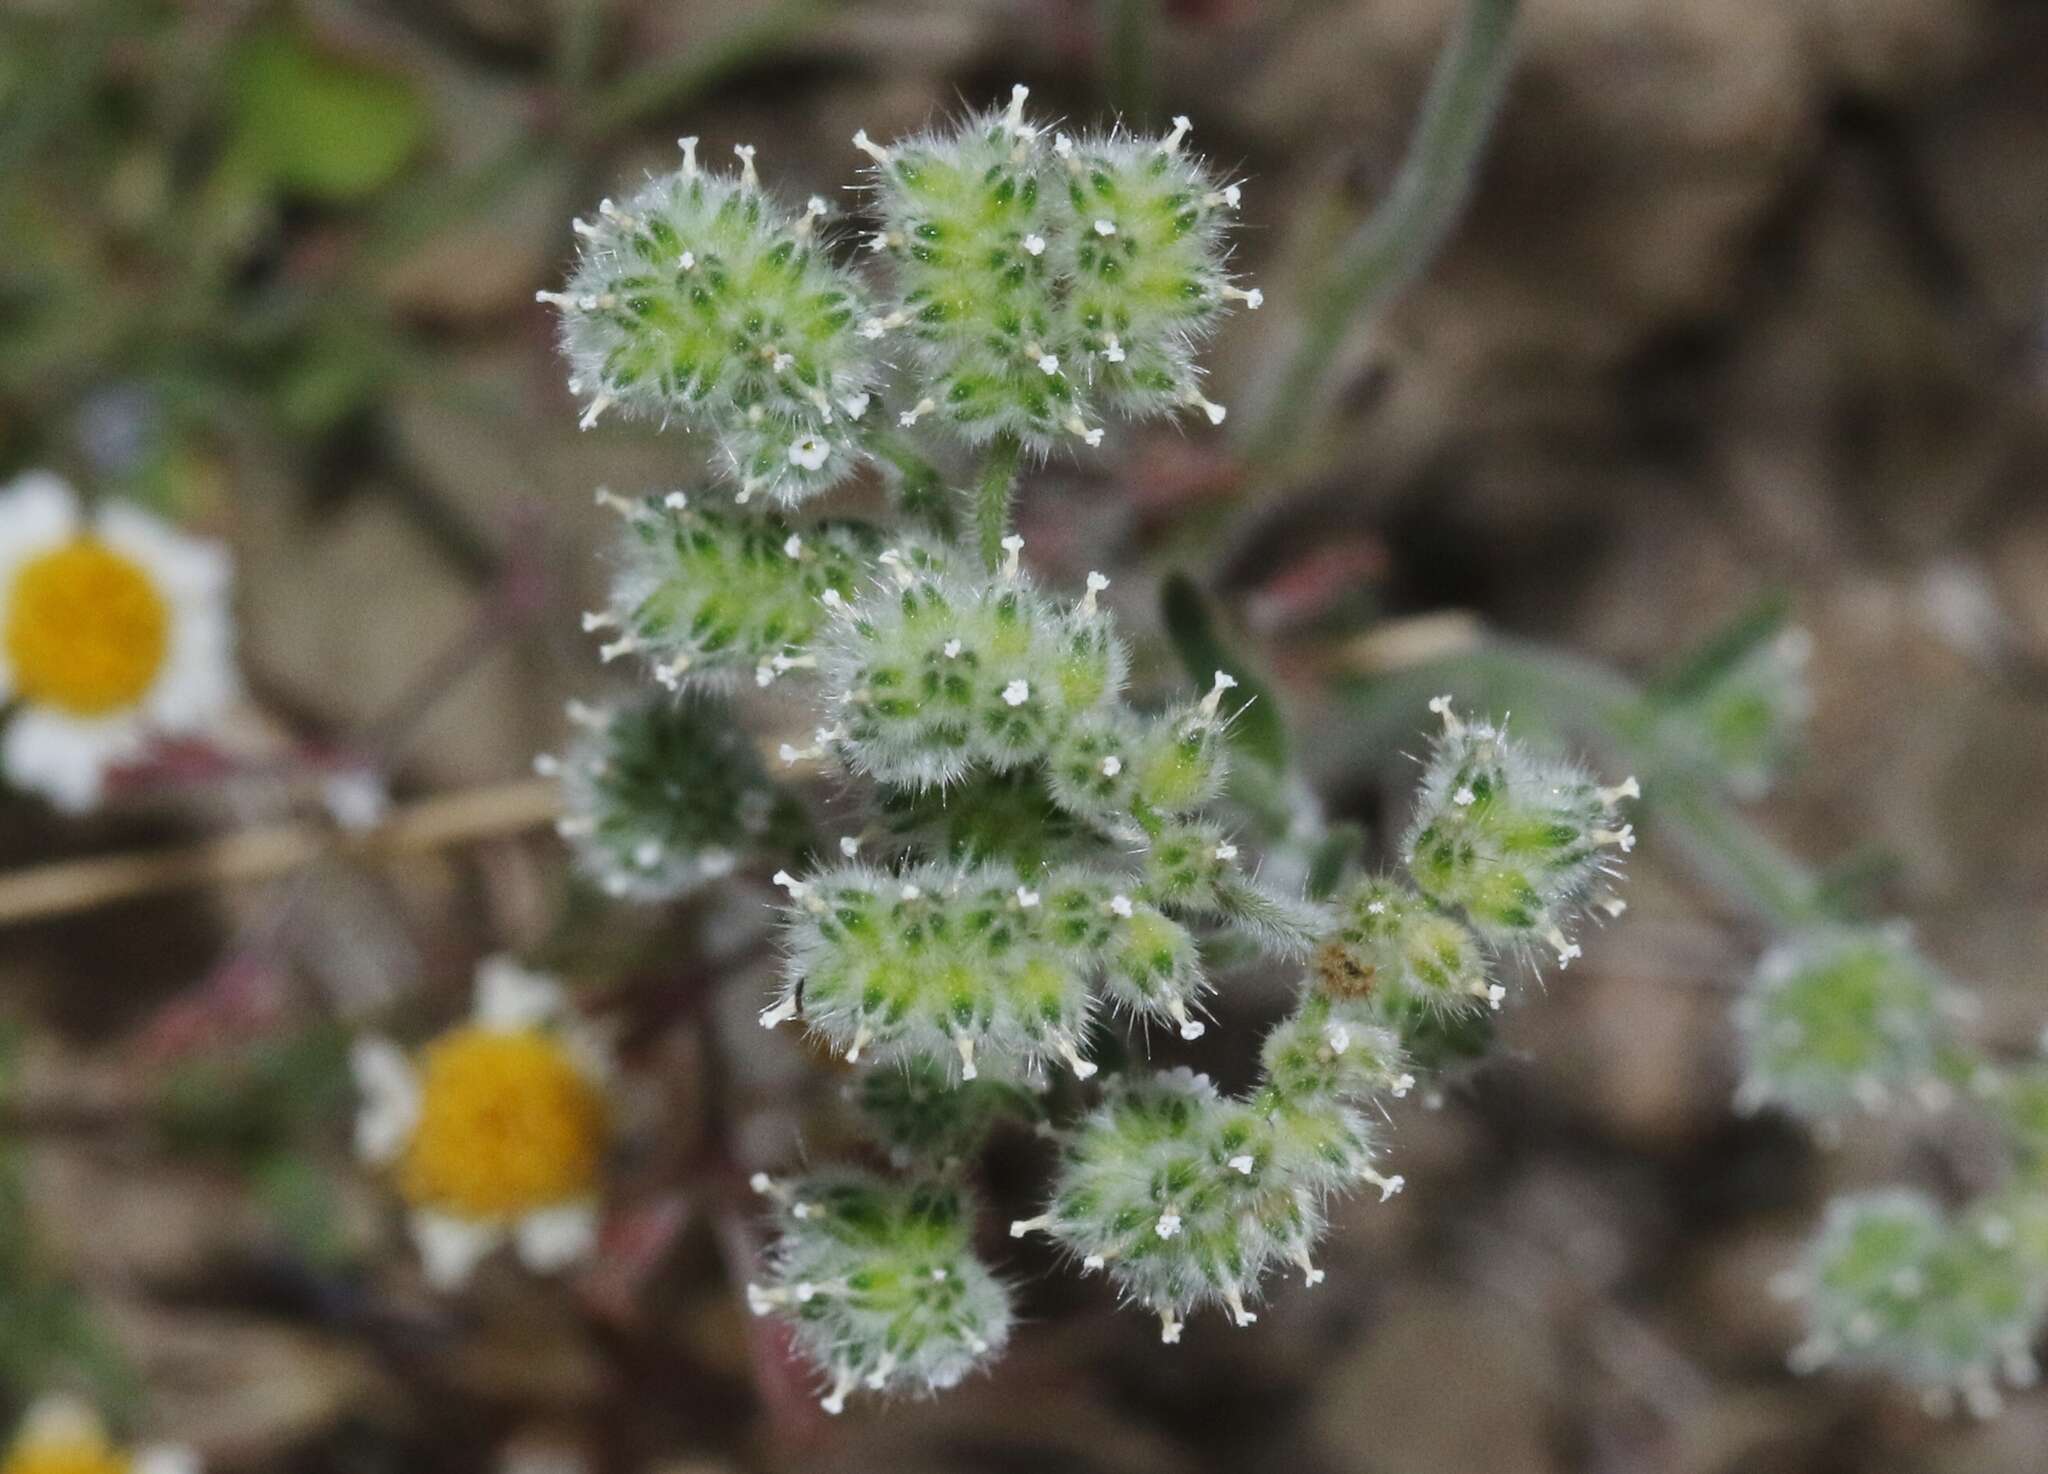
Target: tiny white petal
x,y
451,1248
59,1418
165,1458
391,1100
554,1238
510,998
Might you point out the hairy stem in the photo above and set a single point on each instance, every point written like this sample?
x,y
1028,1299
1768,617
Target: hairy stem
x,y
992,498
1399,238
1126,56
924,494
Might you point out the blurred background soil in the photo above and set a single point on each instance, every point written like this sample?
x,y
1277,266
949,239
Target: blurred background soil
x,y
1751,298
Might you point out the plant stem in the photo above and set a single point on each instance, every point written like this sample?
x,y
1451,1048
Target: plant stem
x,y
666,88
1126,56
1398,239
993,495
925,497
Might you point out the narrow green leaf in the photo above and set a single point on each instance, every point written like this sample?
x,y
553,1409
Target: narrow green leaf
x,y
1257,729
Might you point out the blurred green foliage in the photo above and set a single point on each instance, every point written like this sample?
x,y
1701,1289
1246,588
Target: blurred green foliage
x,y
318,126
48,1336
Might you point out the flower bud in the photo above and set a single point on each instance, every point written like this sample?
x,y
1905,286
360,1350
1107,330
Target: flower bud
x,y
879,1283
967,219
1840,1019
1511,838
661,795
1892,1283
703,302
1143,249
711,596
1124,771
1392,946
936,672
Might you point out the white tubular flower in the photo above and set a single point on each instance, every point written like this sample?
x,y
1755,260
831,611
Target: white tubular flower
x,y
112,629
61,1435
497,1133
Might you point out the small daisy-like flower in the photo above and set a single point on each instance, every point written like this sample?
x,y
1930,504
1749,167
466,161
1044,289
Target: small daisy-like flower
x,y
498,1131
112,628
64,1436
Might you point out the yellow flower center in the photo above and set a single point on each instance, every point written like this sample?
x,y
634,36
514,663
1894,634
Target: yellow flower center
x,y
508,1124
82,1455
86,630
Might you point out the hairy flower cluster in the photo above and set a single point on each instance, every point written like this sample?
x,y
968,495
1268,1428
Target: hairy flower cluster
x,y
879,1282
1185,1197
1842,1019
708,597
933,672
928,962
702,300
1949,1301
1949,1304
1039,280
661,794
1041,860
1044,281
1511,838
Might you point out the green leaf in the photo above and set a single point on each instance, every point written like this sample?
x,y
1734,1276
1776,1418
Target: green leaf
x,y
1332,858
1702,668
318,126
303,1205
1257,729
260,1099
